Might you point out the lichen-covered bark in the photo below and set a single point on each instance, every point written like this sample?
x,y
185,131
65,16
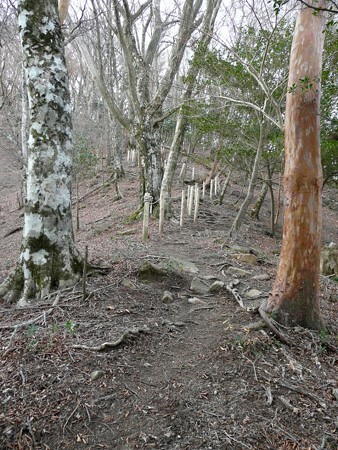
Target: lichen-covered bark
x,y
294,299
146,138
48,257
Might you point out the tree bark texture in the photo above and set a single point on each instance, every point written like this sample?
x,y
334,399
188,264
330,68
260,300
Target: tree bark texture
x,y
295,296
236,226
254,213
147,137
48,257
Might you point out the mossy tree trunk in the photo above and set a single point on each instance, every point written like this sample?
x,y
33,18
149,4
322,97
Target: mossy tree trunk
x,y
49,259
295,296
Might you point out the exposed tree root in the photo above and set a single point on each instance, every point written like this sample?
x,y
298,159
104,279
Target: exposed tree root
x,y
302,391
130,333
270,324
267,320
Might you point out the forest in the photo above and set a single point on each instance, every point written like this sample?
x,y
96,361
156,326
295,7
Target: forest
x,y
169,245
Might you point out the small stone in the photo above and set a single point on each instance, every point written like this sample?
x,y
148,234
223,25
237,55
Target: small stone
x,y
167,297
181,265
252,293
128,284
248,258
236,271
262,277
151,272
196,301
96,374
169,434
216,286
199,286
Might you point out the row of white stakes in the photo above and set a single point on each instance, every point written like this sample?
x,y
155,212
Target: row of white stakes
x,y
132,156
190,200
214,183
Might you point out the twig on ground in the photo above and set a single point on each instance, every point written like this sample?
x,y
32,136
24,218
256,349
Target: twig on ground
x,y
8,349
236,440
131,390
231,288
127,334
70,416
29,427
287,403
269,398
32,321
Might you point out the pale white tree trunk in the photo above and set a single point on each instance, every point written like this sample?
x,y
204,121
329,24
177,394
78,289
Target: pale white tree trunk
x,y
139,30
177,143
48,259
24,120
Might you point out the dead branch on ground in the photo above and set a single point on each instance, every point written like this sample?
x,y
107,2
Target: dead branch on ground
x,y
130,333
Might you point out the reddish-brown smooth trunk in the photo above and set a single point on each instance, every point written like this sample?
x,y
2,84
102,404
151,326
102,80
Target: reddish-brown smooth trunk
x,y
295,296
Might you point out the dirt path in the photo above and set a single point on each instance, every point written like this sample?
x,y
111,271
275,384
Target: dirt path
x,y
197,378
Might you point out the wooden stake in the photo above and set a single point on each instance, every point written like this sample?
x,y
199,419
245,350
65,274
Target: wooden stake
x,y
197,200
161,217
182,208
188,197
182,173
146,214
203,190
211,188
77,205
216,184
191,200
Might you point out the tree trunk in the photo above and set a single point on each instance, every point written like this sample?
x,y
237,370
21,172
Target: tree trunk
x,y
272,200
236,226
48,257
225,185
147,140
173,156
294,299
254,213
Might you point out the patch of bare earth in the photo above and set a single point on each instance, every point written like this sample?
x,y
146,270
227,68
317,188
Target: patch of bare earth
x,y
173,375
